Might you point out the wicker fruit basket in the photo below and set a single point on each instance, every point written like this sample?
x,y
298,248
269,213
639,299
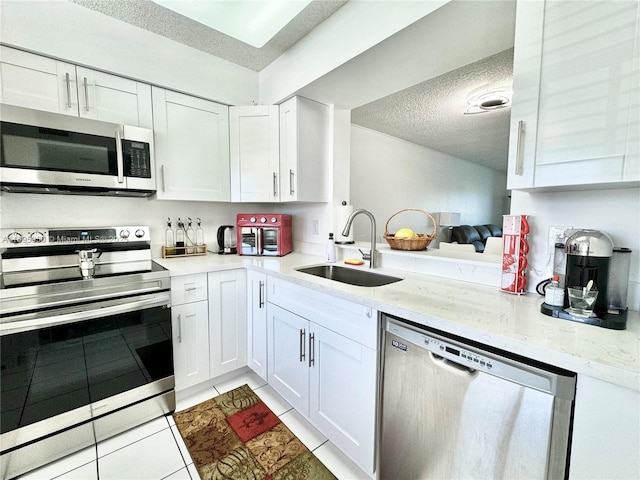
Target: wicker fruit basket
x,y
419,243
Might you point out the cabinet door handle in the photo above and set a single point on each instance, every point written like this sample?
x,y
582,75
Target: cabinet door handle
x,y
275,184
68,80
261,295
86,95
302,344
312,349
179,328
520,138
291,178
162,177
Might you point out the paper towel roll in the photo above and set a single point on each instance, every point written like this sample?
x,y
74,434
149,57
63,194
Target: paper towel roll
x,y
342,215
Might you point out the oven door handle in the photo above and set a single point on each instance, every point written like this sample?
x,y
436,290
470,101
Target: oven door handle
x,y
89,312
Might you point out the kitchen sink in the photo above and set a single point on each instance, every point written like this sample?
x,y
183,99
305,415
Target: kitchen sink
x,y
361,278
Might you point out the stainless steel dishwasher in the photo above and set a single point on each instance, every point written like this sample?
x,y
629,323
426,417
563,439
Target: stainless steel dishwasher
x,y
455,409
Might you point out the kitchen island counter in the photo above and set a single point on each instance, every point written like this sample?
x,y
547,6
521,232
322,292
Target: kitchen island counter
x,y
476,312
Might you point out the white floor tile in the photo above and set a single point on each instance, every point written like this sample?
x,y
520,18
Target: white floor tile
x,y
130,436
62,466
193,472
273,400
302,429
250,378
181,445
86,472
182,474
190,401
338,463
153,457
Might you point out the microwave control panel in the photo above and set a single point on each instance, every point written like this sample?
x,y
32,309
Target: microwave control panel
x,y
137,159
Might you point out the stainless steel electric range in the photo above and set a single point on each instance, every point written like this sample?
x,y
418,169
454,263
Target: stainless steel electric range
x,y
86,345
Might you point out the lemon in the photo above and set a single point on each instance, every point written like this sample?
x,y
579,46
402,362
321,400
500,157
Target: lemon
x,y
405,233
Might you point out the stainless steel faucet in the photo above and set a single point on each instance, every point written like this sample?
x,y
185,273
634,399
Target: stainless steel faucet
x,y
371,256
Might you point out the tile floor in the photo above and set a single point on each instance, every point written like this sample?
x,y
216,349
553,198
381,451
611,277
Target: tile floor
x,y
156,451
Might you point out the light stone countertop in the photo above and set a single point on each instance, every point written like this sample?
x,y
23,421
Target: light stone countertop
x,y
477,312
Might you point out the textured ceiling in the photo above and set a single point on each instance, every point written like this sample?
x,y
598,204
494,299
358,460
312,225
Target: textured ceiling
x,y
151,16
431,113
427,114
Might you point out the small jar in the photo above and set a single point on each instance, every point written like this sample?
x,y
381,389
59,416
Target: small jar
x,y
554,293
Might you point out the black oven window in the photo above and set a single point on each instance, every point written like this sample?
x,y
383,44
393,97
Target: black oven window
x,y
53,370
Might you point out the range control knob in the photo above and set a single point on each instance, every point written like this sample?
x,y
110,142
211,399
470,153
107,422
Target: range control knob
x,y
15,237
139,233
38,237
263,220
124,233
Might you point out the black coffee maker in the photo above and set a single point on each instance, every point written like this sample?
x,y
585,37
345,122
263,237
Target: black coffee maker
x,y
589,255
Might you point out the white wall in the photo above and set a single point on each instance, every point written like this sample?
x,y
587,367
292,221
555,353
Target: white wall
x,y
616,212
389,174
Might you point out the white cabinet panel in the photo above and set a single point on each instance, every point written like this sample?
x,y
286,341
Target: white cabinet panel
x,y
37,82
110,98
288,372
227,321
190,324
574,119
304,151
255,153
188,288
606,431
342,365
192,147
257,322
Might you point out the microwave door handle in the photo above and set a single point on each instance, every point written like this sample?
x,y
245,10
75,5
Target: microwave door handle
x,y
120,157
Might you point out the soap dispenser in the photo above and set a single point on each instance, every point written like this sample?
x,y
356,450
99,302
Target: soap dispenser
x,y
331,249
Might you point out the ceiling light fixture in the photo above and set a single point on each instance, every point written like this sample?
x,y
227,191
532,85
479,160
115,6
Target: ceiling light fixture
x,y
250,21
487,102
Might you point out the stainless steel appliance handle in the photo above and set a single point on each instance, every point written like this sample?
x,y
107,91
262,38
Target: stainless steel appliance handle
x,y
312,350
275,184
120,157
68,81
447,363
259,241
87,313
519,166
291,178
86,95
302,344
261,295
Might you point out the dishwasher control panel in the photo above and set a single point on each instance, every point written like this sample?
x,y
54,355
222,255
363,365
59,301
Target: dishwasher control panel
x,y
467,357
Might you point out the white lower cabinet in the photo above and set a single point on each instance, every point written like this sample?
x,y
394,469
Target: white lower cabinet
x,y
606,431
209,325
257,322
190,325
322,358
227,321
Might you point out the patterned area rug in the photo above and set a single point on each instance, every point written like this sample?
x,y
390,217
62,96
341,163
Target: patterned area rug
x,y
236,436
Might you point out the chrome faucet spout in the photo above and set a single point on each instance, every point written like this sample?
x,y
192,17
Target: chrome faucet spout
x,y
347,228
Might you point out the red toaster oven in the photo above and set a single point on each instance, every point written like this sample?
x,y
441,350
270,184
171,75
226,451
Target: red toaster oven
x,y
264,234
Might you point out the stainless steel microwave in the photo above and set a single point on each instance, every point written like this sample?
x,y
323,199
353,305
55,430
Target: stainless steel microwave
x,y
43,152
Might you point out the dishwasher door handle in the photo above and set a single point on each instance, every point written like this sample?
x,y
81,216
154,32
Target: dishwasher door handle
x,y
450,364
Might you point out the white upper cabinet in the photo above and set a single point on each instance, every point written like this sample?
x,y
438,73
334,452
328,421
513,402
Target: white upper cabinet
x,y
110,98
37,82
576,95
41,83
254,145
192,147
304,151
280,153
